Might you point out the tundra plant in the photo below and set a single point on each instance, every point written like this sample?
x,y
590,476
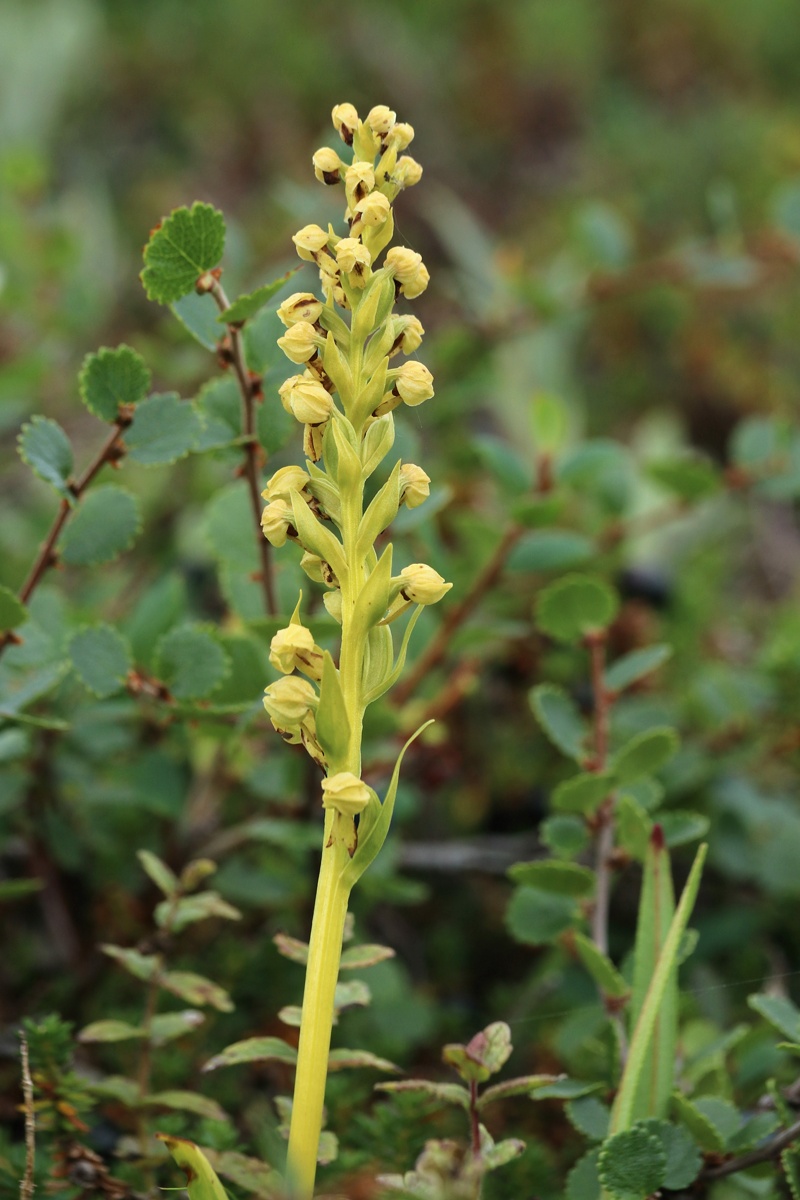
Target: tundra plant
x,y
346,344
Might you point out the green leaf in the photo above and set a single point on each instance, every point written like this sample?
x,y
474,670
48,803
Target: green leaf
x,y
101,658
565,1089
575,606
110,378
600,967
332,723
497,1154
548,422
255,1049
105,525
633,826
583,1181
691,478
111,1031
164,429
753,1132
189,242
250,1174
790,1161
229,529
559,719
483,1055
701,1128
201,1179
44,446
448,1093
634,666
356,958
565,836
534,917
681,1152
550,550
161,875
143,966
780,1012
191,661
726,1119
12,611
219,406
524,1085
681,827
247,306
274,427
582,793
201,1106
645,754
167,1026
632,1164
198,316
562,878
341,1060
196,989
589,1116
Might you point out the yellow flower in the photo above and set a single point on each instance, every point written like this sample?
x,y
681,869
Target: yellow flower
x,y
400,136
354,259
300,306
413,383
346,793
345,121
291,703
300,342
359,180
309,241
422,585
380,120
408,269
414,485
373,211
294,649
285,481
309,402
408,336
406,173
327,165
276,521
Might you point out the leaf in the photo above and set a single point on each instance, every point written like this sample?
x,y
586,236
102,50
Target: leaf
x,y
110,378
189,242
780,1012
583,1181
633,826
291,948
681,1152
550,550
44,446
589,1116
12,611
332,722
196,989
600,967
753,1132
499,1153
691,477
634,666
726,1119
534,917
644,754
663,976
104,526
165,1027
143,966
255,1049
159,872
701,1128
189,909
790,1161
248,305
219,406
565,879
358,957
191,661
164,429
582,793
559,719
576,606
524,1085
632,1164
201,1106
565,1089
248,1173
201,1179
111,1031
448,1093
340,1060
565,836
101,658
483,1055
681,827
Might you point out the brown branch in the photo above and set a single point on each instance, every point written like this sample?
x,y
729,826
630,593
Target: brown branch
x,y
754,1157
27,1185
456,615
249,388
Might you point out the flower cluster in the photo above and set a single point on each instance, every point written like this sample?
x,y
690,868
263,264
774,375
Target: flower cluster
x,y
344,345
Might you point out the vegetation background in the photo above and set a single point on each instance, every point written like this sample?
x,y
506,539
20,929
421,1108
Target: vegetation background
x,y
610,211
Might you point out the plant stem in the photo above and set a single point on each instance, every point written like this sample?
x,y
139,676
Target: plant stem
x,y
322,973
27,1185
761,1154
249,387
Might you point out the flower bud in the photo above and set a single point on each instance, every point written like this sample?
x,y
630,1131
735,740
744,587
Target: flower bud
x,y
346,793
408,269
414,485
294,649
333,603
413,383
422,585
313,439
345,121
310,403
277,520
300,342
406,173
327,165
416,286
284,482
312,565
300,306
372,211
359,180
400,136
309,241
380,120
354,259
290,702
408,335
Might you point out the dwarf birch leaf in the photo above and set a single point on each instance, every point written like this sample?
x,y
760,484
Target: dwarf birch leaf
x,y
582,793
189,242
220,410
681,1152
165,428
201,1106
632,1164
449,1093
790,1161
575,606
104,526
534,917
340,1060
12,611
359,957
109,378
583,1181
550,550
255,1049
191,661
559,719
110,1031
202,1182
196,989
198,316
633,666
600,967
102,659
780,1012
691,477
524,1085
248,305
564,835
681,826
46,449
589,1116
701,1128
565,879
644,754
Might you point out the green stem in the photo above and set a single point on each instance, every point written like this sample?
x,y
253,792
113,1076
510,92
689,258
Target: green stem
x,y
322,973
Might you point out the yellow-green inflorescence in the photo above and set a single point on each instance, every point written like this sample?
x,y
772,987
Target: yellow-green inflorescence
x,y
352,348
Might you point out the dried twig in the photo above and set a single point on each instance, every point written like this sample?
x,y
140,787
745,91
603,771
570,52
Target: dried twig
x,y
27,1185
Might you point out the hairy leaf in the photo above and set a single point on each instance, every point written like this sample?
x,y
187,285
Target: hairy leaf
x,y
44,446
110,378
189,242
101,658
104,526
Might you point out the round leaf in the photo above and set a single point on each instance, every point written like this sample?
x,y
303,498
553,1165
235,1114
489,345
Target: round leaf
x,y
645,754
191,662
113,377
535,917
181,249
632,1164
46,449
559,719
575,606
101,658
105,525
562,878
12,611
164,429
